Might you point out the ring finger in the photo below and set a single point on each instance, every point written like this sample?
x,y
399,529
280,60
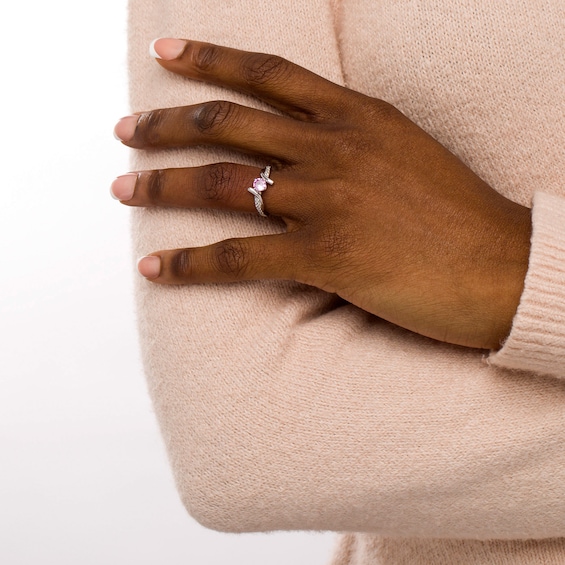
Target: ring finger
x,y
221,185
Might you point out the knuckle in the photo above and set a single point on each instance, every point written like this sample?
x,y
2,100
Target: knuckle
x,y
181,264
216,182
350,142
333,242
230,258
211,118
206,57
150,124
259,69
382,111
328,248
328,254
156,186
349,145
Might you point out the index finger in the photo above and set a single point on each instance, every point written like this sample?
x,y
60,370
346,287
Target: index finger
x,y
285,85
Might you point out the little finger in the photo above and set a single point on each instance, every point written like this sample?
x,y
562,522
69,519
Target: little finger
x,y
241,259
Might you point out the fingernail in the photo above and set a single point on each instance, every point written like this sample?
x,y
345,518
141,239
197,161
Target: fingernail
x,y
149,266
166,49
124,187
125,128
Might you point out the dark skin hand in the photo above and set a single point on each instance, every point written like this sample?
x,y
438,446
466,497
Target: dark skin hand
x,y
376,210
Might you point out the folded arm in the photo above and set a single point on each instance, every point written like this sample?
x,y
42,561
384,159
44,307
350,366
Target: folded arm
x,y
284,408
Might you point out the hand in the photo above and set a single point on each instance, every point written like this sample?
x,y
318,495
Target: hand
x,y
376,210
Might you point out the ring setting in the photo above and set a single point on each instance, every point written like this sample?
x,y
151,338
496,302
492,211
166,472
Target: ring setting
x,y
260,184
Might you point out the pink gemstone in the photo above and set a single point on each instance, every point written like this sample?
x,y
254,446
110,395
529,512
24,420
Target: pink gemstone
x,y
259,184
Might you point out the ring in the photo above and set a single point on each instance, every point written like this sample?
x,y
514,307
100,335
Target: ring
x,y
260,184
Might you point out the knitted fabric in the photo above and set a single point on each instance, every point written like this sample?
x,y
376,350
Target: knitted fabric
x,y
284,409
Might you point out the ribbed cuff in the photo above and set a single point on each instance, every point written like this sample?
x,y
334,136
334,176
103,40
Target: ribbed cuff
x,y
537,339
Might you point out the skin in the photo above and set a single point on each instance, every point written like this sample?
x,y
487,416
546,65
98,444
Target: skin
x,y
376,210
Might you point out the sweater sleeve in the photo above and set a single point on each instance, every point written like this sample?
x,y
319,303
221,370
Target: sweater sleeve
x,y
537,340
283,408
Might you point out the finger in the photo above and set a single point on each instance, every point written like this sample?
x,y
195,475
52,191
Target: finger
x,y
252,258
285,85
221,185
219,123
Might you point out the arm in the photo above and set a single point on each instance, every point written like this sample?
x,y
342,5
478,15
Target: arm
x,y
283,409
537,340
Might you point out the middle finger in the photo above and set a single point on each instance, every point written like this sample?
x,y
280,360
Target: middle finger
x,y
219,123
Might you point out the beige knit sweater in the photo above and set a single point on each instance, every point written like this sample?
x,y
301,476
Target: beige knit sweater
x,y
283,409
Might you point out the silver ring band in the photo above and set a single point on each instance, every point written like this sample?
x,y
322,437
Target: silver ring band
x,y
260,184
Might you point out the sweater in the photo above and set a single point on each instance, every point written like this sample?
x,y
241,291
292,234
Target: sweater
x,y
284,408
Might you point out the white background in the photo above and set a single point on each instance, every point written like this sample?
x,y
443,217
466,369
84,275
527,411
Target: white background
x,y
83,474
